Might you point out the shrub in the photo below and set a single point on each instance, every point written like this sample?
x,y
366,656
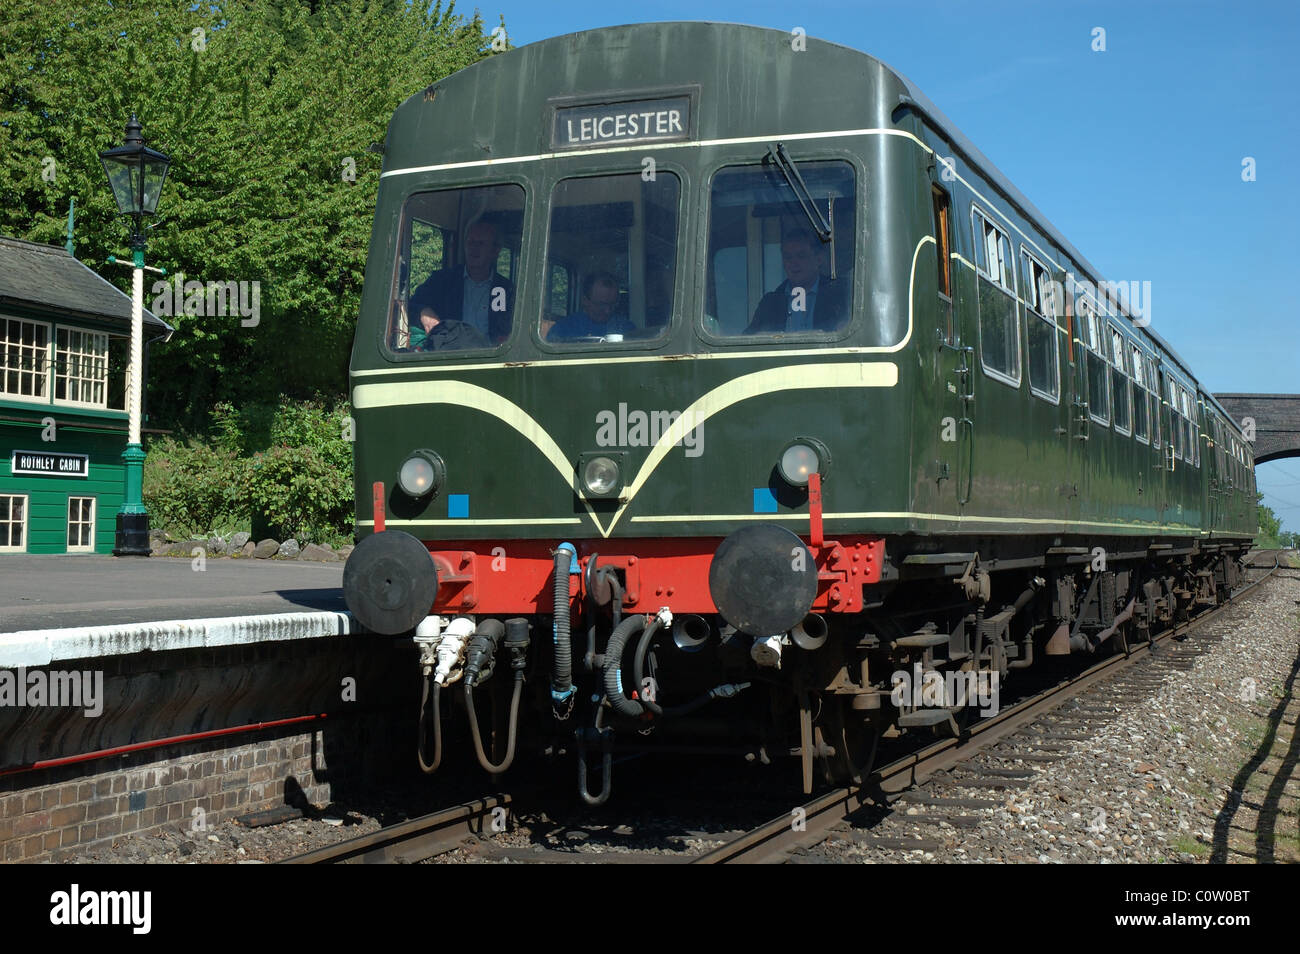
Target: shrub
x,y
281,469
298,493
193,488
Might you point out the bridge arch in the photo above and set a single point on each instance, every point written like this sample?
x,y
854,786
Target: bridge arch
x,y
1276,418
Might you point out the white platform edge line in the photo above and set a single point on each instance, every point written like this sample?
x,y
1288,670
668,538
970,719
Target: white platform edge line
x,y
42,647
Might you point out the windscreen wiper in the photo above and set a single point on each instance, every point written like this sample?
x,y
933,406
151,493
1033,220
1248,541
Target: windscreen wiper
x,y
781,158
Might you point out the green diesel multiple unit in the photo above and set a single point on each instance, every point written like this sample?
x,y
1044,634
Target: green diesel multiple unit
x,y
725,348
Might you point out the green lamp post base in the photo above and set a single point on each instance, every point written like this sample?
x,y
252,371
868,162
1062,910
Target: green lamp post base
x,y
133,520
132,535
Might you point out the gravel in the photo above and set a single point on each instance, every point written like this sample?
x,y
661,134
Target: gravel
x,y
1152,784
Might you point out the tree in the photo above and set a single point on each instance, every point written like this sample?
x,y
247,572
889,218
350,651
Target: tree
x,y
1269,525
267,108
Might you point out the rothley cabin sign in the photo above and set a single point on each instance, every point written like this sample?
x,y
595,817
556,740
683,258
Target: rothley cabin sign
x,y
45,464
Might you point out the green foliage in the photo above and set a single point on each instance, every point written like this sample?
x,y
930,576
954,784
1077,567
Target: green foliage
x,y
193,488
261,114
284,469
1269,525
299,494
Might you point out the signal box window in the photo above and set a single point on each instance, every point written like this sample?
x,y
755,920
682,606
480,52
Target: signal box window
x,y
999,327
456,271
81,524
1044,370
770,270
611,260
13,523
24,348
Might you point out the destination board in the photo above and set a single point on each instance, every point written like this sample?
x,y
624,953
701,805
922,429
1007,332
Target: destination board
x,y
619,124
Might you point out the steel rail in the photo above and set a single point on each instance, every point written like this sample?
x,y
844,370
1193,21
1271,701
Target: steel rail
x,y
413,840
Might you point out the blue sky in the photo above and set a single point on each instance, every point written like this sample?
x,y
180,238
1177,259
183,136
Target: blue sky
x,y
1134,153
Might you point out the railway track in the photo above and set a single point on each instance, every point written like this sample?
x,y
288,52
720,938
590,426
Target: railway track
x,y
1035,730
778,838
417,839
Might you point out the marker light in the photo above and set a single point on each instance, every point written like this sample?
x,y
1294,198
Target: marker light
x,y
600,476
802,458
421,473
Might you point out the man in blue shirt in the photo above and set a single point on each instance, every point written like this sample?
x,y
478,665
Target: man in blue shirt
x,y
597,318
474,294
806,300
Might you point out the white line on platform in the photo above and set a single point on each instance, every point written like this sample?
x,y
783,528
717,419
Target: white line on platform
x,y
42,647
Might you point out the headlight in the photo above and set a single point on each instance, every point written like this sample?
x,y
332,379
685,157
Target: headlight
x,y
421,474
802,458
600,476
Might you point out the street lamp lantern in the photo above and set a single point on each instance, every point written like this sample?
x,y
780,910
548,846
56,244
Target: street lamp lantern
x,y
136,174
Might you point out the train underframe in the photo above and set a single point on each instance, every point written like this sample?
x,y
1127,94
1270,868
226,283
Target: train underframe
x,y
634,657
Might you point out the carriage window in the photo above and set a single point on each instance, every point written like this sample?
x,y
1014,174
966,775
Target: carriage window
x,y
998,325
1098,366
1119,382
1177,436
1140,402
456,269
769,272
1044,377
611,260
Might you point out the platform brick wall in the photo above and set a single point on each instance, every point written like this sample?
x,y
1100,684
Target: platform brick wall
x,y
47,812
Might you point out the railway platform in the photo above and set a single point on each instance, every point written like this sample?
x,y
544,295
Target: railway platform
x,y
61,591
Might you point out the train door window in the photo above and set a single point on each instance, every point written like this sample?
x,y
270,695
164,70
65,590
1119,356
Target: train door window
x,y
617,236
13,523
1189,452
1040,321
1120,391
1177,434
1098,365
453,287
1139,395
1153,402
998,313
943,248
81,524
770,273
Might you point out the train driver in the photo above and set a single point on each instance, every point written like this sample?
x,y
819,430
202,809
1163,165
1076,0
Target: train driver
x,y
807,300
597,318
475,294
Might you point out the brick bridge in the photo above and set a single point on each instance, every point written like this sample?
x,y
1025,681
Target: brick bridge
x,y
1277,422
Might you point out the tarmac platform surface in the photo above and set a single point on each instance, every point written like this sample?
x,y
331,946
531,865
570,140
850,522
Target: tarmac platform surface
x,y
47,591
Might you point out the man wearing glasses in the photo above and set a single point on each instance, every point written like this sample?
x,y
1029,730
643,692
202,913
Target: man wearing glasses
x,y
597,318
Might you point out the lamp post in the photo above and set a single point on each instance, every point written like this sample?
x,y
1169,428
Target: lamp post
x,y
136,175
